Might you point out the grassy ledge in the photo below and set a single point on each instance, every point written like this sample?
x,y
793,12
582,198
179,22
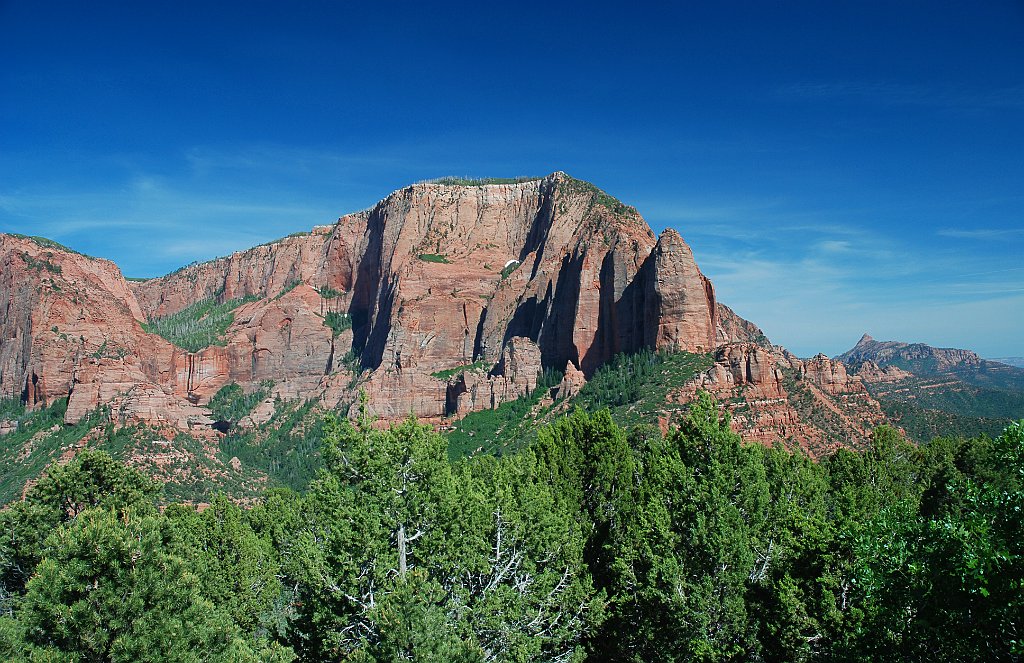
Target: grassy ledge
x,y
479,181
449,373
338,321
199,325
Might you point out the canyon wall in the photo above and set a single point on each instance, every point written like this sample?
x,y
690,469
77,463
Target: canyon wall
x,y
434,277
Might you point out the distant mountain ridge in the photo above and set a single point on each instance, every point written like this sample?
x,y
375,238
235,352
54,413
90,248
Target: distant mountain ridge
x,y
925,360
915,357
931,391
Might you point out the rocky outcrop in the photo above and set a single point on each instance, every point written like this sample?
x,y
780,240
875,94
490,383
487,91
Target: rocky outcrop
x,y
260,415
742,365
437,276
455,298
513,377
149,404
747,378
573,380
918,357
679,301
777,398
830,376
872,373
734,329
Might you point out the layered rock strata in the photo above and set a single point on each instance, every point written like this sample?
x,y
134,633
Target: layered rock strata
x,y
775,397
453,298
508,278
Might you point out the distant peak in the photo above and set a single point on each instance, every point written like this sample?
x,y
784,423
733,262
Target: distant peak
x,y
865,339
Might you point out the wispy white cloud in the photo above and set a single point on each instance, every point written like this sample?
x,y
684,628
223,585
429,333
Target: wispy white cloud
x,y
150,224
982,233
835,246
147,204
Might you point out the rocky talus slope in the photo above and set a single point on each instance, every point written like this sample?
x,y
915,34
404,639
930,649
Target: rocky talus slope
x,y
453,298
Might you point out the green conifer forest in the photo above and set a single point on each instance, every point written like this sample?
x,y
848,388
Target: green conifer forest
x,y
589,543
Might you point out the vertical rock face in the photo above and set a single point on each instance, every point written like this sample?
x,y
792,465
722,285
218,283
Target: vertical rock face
x,y
508,279
680,309
513,377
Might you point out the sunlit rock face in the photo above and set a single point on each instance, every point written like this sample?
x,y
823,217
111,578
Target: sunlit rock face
x,y
454,298
510,278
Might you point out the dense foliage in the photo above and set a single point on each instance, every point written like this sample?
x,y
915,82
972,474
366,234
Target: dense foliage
x,y
232,403
337,321
198,325
508,427
635,386
589,543
286,448
37,440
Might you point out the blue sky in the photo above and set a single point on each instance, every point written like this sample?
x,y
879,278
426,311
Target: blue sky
x,y
838,168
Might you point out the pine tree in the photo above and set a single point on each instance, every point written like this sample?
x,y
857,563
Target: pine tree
x,y
108,590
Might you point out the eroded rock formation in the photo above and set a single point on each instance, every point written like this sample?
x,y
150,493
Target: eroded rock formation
x,y
776,397
455,298
511,277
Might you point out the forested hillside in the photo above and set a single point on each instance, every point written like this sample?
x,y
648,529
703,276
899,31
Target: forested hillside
x,y
586,544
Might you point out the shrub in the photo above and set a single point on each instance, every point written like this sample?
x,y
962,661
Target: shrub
x,y
509,268
231,403
478,181
338,321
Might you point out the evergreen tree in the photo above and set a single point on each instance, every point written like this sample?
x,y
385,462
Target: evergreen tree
x,y
92,479
108,590
237,568
949,586
685,556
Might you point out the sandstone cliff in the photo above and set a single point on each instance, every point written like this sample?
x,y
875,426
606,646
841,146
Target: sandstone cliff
x,y
70,328
454,298
434,277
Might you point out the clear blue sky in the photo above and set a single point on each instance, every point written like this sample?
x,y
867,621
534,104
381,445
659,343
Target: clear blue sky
x,y
837,167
